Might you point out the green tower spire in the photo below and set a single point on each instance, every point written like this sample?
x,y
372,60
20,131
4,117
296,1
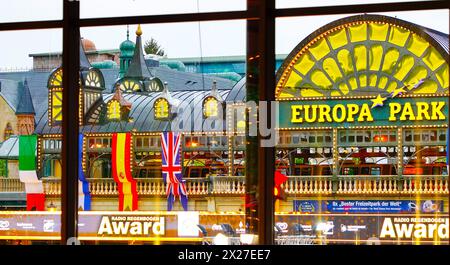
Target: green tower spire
x,y
126,54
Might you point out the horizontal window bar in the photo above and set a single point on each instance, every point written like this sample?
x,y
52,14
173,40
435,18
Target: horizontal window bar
x,y
231,15
362,8
49,24
154,19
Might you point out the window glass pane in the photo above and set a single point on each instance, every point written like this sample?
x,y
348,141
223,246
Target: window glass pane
x,y
375,171
30,10
359,138
30,164
433,135
139,142
306,3
416,137
332,69
119,8
131,76
365,170
351,138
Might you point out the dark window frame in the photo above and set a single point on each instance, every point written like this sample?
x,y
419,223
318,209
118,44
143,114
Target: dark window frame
x,y
263,13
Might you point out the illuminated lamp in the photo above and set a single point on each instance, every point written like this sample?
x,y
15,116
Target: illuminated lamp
x,y
51,207
380,138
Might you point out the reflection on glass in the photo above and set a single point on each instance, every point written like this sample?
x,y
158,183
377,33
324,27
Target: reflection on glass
x,y
155,148
30,162
305,3
117,8
373,85
29,10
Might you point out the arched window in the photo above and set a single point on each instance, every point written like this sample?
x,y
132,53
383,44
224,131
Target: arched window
x,y
210,107
56,106
114,110
8,131
94,79
161,108
130,86
55,100
155,85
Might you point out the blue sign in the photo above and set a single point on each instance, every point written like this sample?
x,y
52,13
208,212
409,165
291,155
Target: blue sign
x,y
368,206
306,206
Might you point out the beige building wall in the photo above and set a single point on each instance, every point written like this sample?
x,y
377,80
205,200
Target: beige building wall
x,y
7,115
13,169
47,62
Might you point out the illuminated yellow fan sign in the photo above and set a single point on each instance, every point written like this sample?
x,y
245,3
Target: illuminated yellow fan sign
x,y
363,53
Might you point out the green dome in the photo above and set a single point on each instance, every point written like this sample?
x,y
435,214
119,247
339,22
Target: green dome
x,y
127,48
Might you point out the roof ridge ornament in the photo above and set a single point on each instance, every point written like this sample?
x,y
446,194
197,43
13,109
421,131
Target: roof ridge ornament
x,y
166,93
139,30
215,91
119,97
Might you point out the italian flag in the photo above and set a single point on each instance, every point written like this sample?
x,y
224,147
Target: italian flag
x,y
27,173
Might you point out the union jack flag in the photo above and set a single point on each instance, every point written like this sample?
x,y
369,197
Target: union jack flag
x,y
171,169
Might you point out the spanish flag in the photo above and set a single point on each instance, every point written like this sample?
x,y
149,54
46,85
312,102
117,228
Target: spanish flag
x,y
128,199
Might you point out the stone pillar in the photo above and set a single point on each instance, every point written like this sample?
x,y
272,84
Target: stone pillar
x,y
400,158
335,151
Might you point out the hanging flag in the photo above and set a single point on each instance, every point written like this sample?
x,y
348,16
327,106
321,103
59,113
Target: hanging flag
x,y
278,190
171,169
27,173
128,198
84,195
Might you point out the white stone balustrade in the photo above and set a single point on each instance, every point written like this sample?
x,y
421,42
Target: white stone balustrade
x,y
235,185
308,185
367,185
52,186
227,184
102,186
11,185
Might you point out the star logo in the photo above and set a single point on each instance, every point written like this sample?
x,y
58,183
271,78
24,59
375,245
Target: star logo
x,y
378,101
398,92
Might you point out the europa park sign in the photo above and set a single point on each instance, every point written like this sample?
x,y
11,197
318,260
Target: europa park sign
x,y
347,113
